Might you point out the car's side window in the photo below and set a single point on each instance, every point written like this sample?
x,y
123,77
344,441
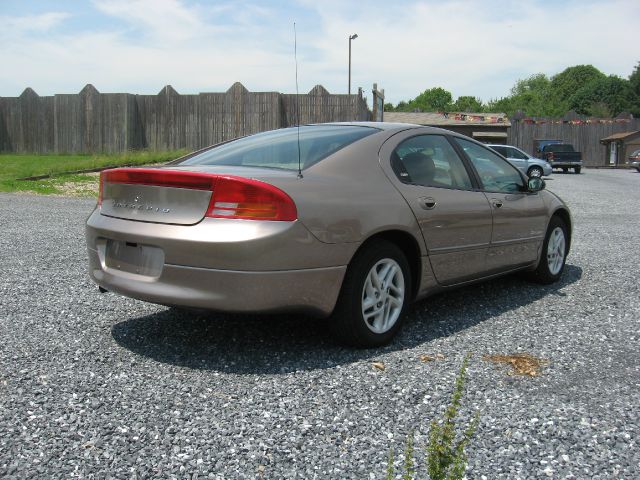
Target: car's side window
x,y
501,150
430,160
513,153
496,174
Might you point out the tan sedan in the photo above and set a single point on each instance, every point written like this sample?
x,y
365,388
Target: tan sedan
x,y
346,221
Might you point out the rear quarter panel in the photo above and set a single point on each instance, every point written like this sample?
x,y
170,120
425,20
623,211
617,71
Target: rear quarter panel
x,y
347,197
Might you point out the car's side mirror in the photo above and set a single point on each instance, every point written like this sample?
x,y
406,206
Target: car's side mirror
x,y
535,184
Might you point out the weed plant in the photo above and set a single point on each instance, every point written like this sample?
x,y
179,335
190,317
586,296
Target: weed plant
x,y
446,458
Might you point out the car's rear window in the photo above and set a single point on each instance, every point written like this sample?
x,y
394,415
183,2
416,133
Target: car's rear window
x,y
279,148
559,147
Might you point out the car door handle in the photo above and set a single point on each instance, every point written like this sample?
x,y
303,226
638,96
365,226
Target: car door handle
x,y
496,203
427,202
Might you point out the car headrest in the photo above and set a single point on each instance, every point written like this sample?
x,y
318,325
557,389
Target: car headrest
x,y
421,167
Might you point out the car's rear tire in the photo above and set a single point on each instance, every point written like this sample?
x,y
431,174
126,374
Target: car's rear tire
x,y
535,172
577,169
374,296
554,253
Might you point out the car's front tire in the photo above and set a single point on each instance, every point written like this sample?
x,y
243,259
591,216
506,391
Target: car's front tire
x,y
535,172
577,169
374,295
554,253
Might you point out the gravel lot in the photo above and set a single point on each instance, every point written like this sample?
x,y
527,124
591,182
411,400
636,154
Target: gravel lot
x,y
99,386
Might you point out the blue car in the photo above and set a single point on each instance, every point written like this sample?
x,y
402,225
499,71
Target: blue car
x,y
530,166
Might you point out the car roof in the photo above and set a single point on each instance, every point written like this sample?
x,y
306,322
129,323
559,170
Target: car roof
x,y
391,126
379,125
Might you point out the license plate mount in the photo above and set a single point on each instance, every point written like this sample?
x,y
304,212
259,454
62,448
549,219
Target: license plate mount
x,y
133,257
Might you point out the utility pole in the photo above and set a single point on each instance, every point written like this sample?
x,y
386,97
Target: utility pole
x,y
351,37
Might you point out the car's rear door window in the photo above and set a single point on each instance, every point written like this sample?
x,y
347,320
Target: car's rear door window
x,y
496,174
430,160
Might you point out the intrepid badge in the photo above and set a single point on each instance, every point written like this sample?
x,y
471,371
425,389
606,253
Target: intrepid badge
x,y
139,206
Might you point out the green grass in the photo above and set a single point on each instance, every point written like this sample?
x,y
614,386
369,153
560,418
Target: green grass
x,y
14,166
74,184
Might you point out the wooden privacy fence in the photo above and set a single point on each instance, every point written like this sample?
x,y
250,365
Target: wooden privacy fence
x,y
583,133
90,121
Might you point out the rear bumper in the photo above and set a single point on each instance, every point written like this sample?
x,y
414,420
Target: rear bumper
x,y
218,264
566,163
225,244
312,291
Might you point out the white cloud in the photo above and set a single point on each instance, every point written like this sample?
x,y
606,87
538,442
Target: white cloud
x,y
32,23
473,48
467,47
166,20
164,42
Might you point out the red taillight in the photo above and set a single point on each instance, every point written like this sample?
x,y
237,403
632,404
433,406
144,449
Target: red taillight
x,y
160,178
101,188
237,197
233,197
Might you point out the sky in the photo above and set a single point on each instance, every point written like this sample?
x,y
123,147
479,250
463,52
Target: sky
x,y
479,48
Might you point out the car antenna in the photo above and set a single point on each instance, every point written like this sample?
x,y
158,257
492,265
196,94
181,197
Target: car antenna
x,y
295,56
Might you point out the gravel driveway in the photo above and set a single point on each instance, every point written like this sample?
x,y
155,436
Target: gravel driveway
x,y
99,386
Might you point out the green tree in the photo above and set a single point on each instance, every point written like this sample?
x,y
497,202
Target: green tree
x,y
435,99
531,103
600,110
613,92
468,103
583,88
634,82
538,83
634,79
535,96
570,80
531,95
403,106
503,104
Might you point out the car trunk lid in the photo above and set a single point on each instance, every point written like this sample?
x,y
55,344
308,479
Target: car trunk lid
x,y
184,196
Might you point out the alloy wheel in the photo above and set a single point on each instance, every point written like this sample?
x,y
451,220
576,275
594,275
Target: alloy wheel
x,y
556,250
383,295
535,172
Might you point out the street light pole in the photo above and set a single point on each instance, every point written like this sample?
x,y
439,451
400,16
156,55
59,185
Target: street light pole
x,y
351,37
